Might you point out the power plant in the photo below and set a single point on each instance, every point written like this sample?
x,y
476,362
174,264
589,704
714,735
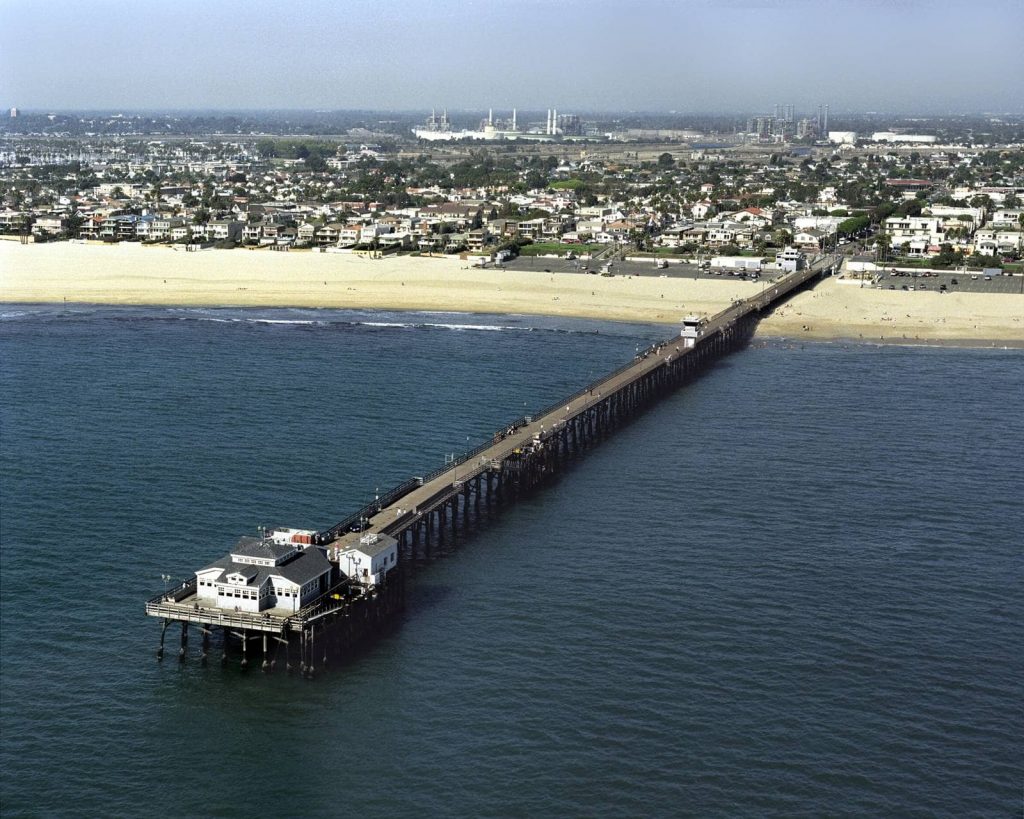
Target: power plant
x,y
439,128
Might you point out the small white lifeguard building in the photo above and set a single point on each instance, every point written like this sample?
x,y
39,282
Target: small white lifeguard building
x,y
370,560
693,329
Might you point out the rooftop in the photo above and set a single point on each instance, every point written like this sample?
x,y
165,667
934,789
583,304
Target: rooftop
x,y
304,566
261,548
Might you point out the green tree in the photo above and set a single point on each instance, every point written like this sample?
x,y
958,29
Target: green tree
x,y
948,257
315,162
266,148
74,223
665,160
848,227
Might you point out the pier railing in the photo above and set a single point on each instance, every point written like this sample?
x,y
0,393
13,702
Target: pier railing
x,y
371,509
180,592
195,613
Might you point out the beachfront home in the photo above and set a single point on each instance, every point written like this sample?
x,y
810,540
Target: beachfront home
x,y
223,229
49,225
328,234
476,239
161,227
531,229
348,235
12,220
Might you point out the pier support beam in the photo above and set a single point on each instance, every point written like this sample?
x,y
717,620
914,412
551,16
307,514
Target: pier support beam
x,y
184,642
163,631
312,649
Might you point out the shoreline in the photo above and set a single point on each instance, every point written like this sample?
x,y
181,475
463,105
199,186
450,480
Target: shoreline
x,y
759,335
134,275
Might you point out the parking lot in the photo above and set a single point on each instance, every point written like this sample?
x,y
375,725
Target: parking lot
x,y
674,270
951,281
948,281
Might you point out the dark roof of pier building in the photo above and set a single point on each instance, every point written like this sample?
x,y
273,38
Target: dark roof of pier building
x,y
262,548
306,565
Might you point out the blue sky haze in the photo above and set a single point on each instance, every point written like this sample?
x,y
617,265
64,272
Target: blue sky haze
x,y
928,56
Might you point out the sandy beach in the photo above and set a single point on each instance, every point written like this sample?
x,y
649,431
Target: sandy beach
x,y
132,274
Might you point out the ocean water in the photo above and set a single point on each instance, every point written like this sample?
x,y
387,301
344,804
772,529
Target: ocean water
x,y
792,588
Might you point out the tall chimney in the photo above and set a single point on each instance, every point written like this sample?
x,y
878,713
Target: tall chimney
x,y
554,121
826,121
514,119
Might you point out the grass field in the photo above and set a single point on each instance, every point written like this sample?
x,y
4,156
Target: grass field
x,y
544,248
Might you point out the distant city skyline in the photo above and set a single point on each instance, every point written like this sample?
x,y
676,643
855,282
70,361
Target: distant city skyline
x,y
689,56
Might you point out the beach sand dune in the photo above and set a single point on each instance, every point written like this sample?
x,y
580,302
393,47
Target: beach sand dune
x,y
132,274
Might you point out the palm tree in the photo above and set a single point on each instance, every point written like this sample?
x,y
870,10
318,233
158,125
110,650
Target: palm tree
x,y
882,240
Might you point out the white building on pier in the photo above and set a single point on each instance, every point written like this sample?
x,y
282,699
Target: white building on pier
x,y
370,560
282,571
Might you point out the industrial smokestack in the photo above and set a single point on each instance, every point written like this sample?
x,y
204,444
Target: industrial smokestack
x,y
825,127
554,121
514,119
490,116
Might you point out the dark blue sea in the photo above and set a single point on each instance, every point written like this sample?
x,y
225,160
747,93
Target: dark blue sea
x,y
793,588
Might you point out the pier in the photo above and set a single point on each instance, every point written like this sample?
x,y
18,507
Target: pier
x,y
425,515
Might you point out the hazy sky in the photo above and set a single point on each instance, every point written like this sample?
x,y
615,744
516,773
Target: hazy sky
x,y
576,55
